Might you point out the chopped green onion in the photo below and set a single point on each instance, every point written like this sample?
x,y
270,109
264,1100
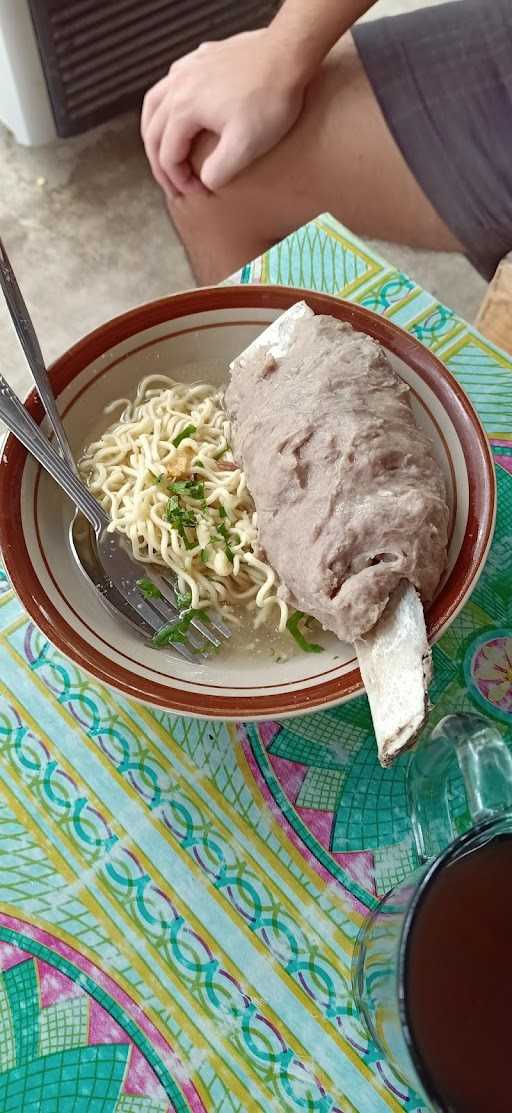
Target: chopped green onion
x,y
224,536
149,589
173,504
202,615
293,627
192,487
176,631
169,635
222,511
183,601
180,519
204,555
186,432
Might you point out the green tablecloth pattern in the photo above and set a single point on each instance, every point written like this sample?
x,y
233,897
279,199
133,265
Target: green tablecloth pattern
x,y
179,899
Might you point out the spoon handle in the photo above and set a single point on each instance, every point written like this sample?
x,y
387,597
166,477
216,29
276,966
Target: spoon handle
x,y
20,422
27,336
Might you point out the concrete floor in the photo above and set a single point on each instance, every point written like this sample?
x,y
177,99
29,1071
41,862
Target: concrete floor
x,y
87,232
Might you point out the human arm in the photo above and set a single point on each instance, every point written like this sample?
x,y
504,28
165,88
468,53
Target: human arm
x,y
248,90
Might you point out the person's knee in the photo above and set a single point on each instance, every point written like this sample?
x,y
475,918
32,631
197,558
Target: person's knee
x,y
233,225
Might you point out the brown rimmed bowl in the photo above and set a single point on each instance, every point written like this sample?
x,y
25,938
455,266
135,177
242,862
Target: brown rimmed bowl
x,y
190,336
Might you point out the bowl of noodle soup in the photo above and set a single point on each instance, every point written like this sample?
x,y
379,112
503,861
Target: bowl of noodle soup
x,y
142,402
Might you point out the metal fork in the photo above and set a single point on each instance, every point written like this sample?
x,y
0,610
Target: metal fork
x,y
89,556
121,570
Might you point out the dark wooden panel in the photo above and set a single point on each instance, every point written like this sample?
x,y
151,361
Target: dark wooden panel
x,y
99,58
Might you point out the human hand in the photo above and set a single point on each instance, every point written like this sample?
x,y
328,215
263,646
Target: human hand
x,y
242,89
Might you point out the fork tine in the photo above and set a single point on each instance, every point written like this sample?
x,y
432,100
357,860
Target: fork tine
x,y
169,593
170,614
124,573
125,611
145,611
167,588
220,626
148,622
84,549
155,613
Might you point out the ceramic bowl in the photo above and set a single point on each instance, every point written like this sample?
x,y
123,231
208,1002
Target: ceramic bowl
x,y
190,336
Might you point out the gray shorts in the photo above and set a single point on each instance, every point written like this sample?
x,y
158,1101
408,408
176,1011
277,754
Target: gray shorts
x,y
443,79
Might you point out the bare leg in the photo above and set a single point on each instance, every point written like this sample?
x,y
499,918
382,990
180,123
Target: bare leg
x,y
340,157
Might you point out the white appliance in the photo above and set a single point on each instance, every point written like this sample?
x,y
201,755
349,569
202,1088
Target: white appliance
x,y
67,65
24,101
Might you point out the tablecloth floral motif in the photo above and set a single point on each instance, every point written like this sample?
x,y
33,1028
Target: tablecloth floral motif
x,y
488,668
179,899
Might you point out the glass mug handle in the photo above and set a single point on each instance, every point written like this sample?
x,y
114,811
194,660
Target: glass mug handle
x,y
486,766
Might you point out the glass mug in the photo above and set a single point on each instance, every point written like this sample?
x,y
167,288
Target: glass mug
x,y
430,971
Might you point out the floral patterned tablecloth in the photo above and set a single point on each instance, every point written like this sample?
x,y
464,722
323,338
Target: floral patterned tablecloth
x,y
179,899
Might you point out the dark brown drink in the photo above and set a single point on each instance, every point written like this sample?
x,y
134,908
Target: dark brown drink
x,y
458,981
